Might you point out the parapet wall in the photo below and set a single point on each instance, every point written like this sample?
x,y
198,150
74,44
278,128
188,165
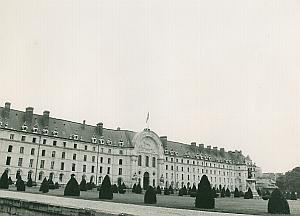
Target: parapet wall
x,y
9,206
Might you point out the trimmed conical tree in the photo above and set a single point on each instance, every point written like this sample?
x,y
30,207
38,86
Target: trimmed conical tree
x,y
72,187
236,193
248,194
171,190
105,191
214,192
223,192
115,188
278,204
158,190
4,180
227,193
193,191
150,196
20,184
138,189
29,182
204,196
82,185
51,184
166,191
44,186
134,188
184,190
10,182
122,188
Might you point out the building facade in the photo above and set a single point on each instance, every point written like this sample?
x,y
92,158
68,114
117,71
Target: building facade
x,y
39,146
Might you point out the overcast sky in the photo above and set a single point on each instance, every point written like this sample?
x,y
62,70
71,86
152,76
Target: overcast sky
x,y
222,73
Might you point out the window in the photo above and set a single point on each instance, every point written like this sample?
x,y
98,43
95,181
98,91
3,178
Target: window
x,y
42,164
23,138
11,136
21,150
52,165
32,151
53,154
43,152
40,176
120,161
10,148
74,156
140,160
147,161
84,168
85,147
109,151
64,144
34,140
8,159
166,167
93,169
63,155
108,160
108,170
172,168
31,163
94,149
73,167
62,166
120,171
44,141
75,146
101,169
54,142
93,158
121,152
20,161
101,159
153,161
84,157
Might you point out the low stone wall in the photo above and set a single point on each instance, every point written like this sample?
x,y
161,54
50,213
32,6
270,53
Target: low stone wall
x,y
9,206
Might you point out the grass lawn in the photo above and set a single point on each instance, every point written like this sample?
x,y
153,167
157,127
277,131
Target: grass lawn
x,y
231,205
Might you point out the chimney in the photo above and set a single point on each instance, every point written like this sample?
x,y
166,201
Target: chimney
x,y
29,115
6,110
193,143
118,128
201,146
99,129
46,118
215,150
164,140
222,151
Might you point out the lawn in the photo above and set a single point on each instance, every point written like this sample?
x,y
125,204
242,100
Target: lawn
x,y
230,205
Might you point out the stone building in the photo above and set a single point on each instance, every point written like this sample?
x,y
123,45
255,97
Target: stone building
x,y
41,146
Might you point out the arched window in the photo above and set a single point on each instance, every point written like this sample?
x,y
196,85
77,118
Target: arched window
x,y
140,160
51,175
120,161
61,175
41,175
147,161
153,162
29,175
18,174
10,148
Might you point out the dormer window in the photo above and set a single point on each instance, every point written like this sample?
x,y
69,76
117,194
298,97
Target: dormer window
x,y
70,137
176,153
166,151
6,125
94,139
121,143
45,131
101,141
24,127
75,136
55,133
35,129
108,142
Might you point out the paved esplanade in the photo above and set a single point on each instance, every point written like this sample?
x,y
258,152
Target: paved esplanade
x,y
107,207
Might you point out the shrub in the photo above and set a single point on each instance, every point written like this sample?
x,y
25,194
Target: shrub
x,y
4,180
29,182
223,192
10,182
266,195
56,185
184,190
134,188
90,185
72,187
193,191
204,197
236,193
138,189
248,194
51,184
214,193
293,195
122,188
158,190
278,204
20,184
227,193
115,188
82,185
44,186
166,191
150,196
171,190
105,191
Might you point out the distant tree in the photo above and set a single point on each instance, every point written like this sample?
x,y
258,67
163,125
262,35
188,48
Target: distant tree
x,y
204,196
278,204
193,191
115,188
227,193
166,191
4,180
171,190
236,193
134,188
105,191
83,185
72,187
223,192
29,182
122,188
138,189
158,190
20,184
290,181
44,186
150,196
248,194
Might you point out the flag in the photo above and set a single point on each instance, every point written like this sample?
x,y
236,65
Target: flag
x,y
147,119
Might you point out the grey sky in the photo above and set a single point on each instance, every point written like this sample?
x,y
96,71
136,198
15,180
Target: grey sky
x,y
222,73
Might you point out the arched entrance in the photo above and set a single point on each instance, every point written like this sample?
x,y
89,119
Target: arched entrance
x,y
146,180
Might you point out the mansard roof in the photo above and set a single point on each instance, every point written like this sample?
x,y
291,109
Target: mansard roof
x,y
67,129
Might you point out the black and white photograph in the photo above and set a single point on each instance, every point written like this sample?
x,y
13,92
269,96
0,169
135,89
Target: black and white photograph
x,y
149,107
